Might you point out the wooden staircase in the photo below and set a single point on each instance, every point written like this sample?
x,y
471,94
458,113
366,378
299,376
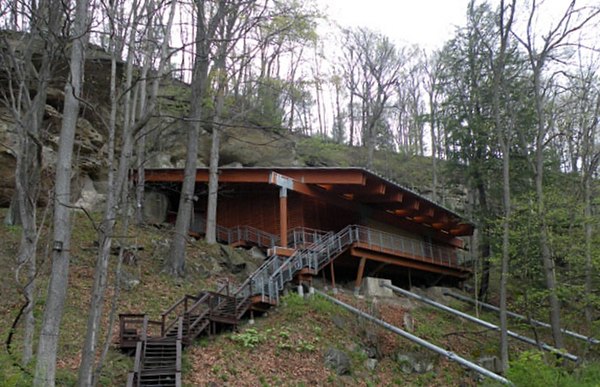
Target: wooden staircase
x,y
157,359
158,343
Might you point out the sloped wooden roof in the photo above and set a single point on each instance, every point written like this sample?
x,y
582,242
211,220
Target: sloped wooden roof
x,y
349,187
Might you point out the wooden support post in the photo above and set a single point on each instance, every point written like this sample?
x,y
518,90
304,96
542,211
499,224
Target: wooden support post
x,y
359,275
283,224
332,269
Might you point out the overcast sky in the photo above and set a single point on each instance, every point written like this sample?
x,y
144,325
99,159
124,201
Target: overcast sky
x,y
430,23
426,22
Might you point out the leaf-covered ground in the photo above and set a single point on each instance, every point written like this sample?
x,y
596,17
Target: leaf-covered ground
x,y
284,347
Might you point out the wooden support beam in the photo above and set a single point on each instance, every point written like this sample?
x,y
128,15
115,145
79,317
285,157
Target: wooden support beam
x,y
393,197
325,175
424,215
371,189
363,253
283,217
359,274
462,229
332,270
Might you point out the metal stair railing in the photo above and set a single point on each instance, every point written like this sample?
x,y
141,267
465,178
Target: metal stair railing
x,y
298,236
320,254
314,258
258,281
241,234
304,237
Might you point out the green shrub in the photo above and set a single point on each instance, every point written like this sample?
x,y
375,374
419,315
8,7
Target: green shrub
x,y
250,338
532,370
11,375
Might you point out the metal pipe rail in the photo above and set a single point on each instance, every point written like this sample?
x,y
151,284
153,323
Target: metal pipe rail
x,y
521,317
484,323
448,354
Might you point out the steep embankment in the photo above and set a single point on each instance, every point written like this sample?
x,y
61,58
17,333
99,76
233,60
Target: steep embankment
x,y
301,342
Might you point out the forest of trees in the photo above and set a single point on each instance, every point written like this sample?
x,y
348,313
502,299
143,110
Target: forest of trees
x,y
510,101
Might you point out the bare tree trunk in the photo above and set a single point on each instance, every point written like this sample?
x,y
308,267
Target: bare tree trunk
x,y
45,370
12,215
141,142
484,242
504,133
549,271
28,169
572,21
318,93
213,188
432,121
175,264
351,107
106,230
220,68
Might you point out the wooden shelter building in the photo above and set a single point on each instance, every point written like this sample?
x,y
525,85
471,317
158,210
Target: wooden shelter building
x,y
395,232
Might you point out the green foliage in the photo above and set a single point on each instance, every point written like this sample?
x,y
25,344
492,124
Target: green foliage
x,y
11,375
537,369
266,110
305,346
250,338
531,369
295,306
117,365
316,151
324,307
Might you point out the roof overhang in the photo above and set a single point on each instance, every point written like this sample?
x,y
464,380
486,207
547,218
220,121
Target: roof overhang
x,y
347,187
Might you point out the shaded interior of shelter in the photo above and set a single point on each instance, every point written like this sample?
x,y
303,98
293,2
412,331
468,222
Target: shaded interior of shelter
x,y
329,200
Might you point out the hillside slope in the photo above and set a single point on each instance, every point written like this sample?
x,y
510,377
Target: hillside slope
x,y
287,346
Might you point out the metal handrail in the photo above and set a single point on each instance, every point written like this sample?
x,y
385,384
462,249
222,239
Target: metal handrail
x,y
491,307
448,354
481,322
319,248
328,248
297,237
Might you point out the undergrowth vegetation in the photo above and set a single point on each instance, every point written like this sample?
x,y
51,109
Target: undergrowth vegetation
x,y
286,346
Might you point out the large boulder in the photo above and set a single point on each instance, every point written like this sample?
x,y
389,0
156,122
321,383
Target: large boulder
x,y
89,198
156,205
251,147
414,362
337,360
372,287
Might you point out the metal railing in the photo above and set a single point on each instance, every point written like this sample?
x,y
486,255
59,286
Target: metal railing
x,y
268,281
313,250
432,347
483,323
297,237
